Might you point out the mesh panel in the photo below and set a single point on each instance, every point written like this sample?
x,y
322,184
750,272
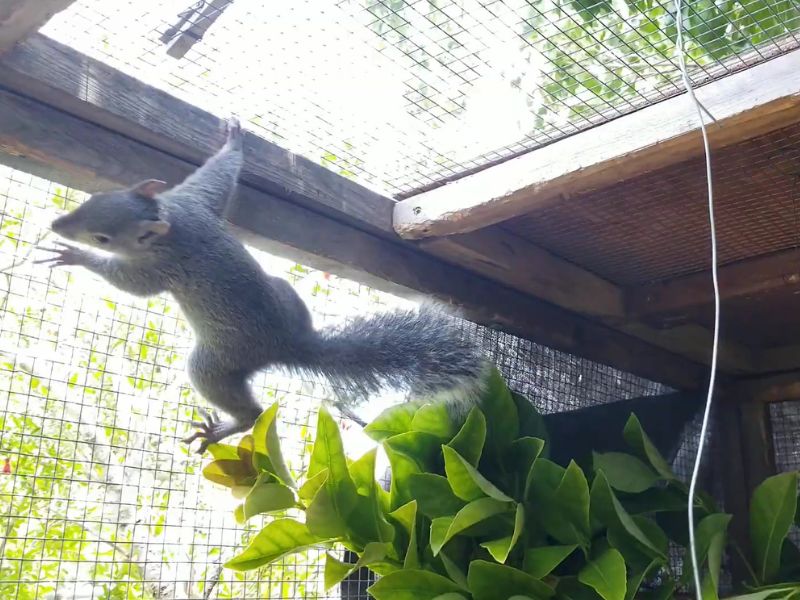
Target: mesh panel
x,y
785,421
102,499
403,94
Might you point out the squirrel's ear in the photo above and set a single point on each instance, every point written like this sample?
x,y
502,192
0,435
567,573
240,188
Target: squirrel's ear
x,y
149,231
149,188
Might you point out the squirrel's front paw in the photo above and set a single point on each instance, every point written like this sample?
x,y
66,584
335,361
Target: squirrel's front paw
x,y
63,256
212,430
235,136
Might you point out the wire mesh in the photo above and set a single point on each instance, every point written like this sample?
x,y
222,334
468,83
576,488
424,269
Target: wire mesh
x,y
785,422
404,94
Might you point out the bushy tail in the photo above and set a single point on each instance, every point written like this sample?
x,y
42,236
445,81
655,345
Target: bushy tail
x,y
422,352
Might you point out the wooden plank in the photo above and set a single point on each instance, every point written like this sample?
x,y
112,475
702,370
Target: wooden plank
x,y
776,388
68,80
526,267
69,150
516,262
677,297
749,103
21,18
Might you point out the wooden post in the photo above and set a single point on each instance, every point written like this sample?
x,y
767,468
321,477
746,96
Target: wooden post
x,y
746,456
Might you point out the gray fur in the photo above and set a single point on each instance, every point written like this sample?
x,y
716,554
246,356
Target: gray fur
x,y
245,320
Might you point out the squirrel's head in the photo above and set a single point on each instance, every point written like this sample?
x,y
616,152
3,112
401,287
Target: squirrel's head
x,y
123,222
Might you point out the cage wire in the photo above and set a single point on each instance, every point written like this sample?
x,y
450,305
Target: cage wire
x,y
785,425
405,94
100,498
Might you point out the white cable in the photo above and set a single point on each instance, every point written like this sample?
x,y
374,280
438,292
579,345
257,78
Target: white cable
x,y
704,428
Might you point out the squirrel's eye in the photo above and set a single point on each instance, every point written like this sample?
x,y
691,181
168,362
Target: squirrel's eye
x,y
101,239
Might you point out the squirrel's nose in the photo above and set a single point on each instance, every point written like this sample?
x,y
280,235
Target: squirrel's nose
x,y
58,224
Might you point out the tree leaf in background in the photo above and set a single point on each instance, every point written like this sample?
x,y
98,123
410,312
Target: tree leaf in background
x,y
540,562
230,473
336,570
266,497
406,516
472,514
531,422
500,411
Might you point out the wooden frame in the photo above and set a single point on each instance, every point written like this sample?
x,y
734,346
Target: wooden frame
x,y
752,102
125,131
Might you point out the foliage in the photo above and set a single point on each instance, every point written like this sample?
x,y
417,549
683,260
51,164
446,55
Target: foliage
x,y
476,510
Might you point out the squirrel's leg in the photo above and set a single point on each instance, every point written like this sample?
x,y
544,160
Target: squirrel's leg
x,y
227,390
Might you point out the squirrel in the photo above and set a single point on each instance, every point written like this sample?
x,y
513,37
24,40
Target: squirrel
x,y
175,240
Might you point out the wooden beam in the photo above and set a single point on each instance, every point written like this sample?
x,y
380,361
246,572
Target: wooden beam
x,y
677,297
749,103
74,83
516,262
21,18
181,40
67,149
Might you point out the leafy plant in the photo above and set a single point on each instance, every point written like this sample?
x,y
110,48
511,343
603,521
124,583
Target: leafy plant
x,y
476,510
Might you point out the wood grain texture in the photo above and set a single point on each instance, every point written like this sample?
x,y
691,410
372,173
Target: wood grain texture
x,y
757,100
70,81
67,149
755,275
21,18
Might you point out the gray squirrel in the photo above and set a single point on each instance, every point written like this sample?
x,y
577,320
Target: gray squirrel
x,y
175,240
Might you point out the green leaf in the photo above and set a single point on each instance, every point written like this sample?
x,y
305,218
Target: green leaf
x,y
638,440
223,451
265,497
392,421
624,472
521,455
278,539
434,495
638,556
230,473
267,443
406,516
638,576
466,482
563,510
367,521
403,468
490,581
410,584
569,588
502,418
453,571
531,422
606,509
500,549
336,570
468,442
473,513
450,596
709,542
540,562
311,486
606,575
422,447
339,498
434,419
772,511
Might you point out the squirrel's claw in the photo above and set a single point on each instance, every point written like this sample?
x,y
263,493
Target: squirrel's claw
x,y
211,430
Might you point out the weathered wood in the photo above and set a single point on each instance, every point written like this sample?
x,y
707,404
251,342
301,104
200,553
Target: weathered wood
x,y
516,262
752,102
775,388
676,297
21,18
181,40
70,81
526,267
57,145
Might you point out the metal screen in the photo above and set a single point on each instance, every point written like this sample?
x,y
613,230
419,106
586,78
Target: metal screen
x,y
101,499
403,94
